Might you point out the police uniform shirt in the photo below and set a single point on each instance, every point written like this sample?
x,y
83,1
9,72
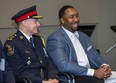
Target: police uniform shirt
x,y
24,59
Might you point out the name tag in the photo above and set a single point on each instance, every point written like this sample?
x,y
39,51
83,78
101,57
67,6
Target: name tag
x,y
27,51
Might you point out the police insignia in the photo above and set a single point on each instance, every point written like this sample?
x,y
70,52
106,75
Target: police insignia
x,y
21,37
9,49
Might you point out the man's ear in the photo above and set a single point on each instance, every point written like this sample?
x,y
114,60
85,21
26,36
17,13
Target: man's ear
x,y
62,20
25,22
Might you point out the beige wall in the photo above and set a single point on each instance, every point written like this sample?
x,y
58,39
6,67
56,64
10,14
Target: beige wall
x,y
49,9
102,37
105,36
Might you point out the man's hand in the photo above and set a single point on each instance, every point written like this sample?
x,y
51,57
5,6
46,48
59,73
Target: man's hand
x,y
103,72
108,70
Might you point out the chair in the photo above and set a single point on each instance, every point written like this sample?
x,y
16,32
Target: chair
x,y
69,77
79,79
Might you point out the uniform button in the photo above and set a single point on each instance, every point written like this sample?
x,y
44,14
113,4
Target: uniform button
x,y
28,62
40,61
28,57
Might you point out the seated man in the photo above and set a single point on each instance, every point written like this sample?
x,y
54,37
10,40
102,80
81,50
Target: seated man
x,y
25,49
72,51
6,75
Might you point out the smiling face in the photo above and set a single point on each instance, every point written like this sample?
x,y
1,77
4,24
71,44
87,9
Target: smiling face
x,y
30,26
33,26
70,19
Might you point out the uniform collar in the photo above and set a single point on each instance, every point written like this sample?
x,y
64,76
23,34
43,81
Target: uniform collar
x,y
28,38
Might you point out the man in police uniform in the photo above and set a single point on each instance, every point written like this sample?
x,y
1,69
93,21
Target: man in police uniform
x,y
25,51
6,75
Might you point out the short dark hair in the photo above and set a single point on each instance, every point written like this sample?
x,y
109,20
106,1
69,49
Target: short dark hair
x,y
62,10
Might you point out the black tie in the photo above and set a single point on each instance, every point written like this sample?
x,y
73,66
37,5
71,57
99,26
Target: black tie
x,y
31,41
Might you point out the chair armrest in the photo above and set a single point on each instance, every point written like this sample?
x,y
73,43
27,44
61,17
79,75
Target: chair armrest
x,y
68,76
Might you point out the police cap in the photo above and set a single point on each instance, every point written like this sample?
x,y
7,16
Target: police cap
x,y
26,14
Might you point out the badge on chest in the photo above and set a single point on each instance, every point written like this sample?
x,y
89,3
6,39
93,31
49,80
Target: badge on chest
x,y
28,57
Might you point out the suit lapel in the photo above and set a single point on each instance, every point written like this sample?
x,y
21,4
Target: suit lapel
x,y
85,46
67,39
65,36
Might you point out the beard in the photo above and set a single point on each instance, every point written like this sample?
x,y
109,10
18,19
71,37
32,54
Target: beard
x,y
74,26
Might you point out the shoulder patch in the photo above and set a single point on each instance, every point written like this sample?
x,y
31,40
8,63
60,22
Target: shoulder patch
x,y
9,49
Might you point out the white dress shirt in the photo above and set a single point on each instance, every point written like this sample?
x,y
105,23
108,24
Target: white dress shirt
x,y
82,57
28,38
80,53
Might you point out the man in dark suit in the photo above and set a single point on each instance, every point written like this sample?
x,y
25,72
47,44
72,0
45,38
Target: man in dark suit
x,y
72,51
25,51
6,75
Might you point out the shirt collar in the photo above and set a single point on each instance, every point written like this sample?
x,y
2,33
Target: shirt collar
x,y
77,34
70,33
28,38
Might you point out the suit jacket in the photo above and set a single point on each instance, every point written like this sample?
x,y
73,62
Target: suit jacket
x,y
61,51
27,62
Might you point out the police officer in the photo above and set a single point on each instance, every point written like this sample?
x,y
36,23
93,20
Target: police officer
x,y
6,75
25,51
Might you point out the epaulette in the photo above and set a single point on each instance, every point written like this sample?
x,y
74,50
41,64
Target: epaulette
x,y
12,37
